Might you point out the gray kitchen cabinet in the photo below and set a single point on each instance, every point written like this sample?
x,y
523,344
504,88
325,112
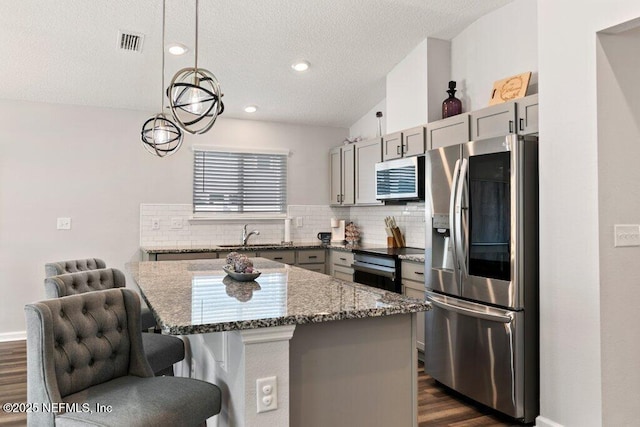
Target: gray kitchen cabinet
x,y
181,256
313,259
413,287
528,115
342,175
340,265
413,141
285,257
450,131
497,120
392,146
367,153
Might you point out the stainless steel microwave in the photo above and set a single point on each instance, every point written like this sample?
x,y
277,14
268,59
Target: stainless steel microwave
x,y
400,179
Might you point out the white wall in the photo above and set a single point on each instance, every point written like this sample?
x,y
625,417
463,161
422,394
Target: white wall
x,y
498,45
572,386
407,91
618,67
88,164
367,126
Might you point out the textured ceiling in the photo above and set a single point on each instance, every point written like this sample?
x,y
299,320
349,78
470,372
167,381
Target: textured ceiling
x,y
65,51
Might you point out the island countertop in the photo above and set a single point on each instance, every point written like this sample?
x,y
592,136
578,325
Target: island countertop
x,y
196,296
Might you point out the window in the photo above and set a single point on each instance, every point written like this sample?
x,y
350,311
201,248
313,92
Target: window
x,y
239,182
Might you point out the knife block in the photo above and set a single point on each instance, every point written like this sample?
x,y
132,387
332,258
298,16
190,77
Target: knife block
x,y
391,242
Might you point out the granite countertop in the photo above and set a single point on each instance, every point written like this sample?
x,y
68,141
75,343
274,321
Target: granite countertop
x,y
227,248
191,297
415,258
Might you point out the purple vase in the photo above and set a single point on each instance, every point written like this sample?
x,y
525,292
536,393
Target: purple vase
x,y
452,105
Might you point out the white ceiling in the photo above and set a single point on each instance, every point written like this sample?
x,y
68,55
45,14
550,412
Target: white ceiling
x,y
65,51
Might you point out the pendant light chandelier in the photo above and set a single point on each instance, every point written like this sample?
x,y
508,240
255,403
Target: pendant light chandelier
x,y
160,136
194,96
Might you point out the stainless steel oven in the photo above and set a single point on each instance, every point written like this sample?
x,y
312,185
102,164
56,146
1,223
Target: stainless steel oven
x,y
380,267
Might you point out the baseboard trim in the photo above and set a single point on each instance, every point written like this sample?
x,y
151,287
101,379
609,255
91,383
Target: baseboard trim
x,y
546,422
13,336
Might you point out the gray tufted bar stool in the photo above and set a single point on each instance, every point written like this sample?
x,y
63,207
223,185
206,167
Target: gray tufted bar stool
x,y
85,361
162,351
85,264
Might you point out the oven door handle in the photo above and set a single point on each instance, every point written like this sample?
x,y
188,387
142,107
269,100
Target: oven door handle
x,y
378,270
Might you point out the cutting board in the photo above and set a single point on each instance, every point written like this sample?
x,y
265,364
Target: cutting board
x,y
510,88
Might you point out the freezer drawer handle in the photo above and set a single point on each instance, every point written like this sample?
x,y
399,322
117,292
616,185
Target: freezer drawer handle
x,y
467,312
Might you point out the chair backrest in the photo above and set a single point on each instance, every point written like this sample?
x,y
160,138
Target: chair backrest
x,y
84,281
73,266
79,341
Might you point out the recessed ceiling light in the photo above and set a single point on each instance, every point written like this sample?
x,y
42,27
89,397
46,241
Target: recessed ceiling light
x,y
301,66
250,109
178,49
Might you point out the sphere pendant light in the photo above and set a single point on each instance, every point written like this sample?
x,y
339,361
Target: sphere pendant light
x,y
160,136
195,97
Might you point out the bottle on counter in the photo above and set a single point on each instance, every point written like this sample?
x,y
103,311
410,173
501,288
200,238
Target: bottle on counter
x,y
451,106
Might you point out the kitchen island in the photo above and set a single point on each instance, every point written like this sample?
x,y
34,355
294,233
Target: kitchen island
x,y
341,353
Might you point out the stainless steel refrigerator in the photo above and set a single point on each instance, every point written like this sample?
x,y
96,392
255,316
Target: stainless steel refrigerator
x,y
482,333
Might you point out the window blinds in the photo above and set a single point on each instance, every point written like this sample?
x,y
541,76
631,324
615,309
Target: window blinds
x,y
239,182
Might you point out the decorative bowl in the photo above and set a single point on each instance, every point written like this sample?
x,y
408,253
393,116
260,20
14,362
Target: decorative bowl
x,y
241,277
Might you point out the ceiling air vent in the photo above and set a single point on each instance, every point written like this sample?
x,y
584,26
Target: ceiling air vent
x,y
130,42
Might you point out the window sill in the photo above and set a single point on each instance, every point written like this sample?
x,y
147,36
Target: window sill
x,y
236,217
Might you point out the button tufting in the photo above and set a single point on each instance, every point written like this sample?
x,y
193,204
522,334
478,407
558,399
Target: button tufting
x,y
84,310
71,369
106,306
91,362
99,334
119,328
61,313
78,338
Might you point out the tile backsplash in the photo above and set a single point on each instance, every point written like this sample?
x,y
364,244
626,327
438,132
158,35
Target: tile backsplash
x,y
176,229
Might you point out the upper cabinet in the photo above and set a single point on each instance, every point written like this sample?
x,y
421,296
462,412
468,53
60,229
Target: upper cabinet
x,y
409,142
392,146
342,175
519,116
367,153
449,131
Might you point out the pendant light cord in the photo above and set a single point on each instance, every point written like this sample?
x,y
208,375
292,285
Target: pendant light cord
x,y
196,67
164,2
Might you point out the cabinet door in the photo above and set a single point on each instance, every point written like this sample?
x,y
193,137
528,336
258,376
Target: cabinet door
x,y
181,256
368,153
498,120
392,146
528,115
450,131
413,271
348,175
412,293
314,256
335,175
413,141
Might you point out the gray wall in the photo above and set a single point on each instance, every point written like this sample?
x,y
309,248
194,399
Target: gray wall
x,y
88,164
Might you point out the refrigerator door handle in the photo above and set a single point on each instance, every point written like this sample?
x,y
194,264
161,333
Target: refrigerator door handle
x,y
461,192
452,204
507,317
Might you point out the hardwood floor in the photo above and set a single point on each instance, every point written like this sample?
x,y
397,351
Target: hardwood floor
x,y
13,380
437,406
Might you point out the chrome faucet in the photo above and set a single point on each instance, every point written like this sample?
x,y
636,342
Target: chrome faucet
x,y
246,236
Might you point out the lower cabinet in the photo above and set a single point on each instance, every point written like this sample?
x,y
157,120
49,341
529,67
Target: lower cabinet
x,y
340,265
180,256
413,287
285,257
313,260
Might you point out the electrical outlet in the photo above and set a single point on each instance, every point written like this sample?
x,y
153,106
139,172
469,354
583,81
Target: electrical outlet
x,y
267,394
176,223
626,235
155,223
64,224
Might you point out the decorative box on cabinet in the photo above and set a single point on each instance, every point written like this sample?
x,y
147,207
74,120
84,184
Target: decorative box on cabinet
x,y
368,153
450,131
413,286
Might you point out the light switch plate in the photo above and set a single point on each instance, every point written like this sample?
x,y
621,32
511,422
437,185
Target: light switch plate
x,y
299,221
155,223
626,235
64,223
